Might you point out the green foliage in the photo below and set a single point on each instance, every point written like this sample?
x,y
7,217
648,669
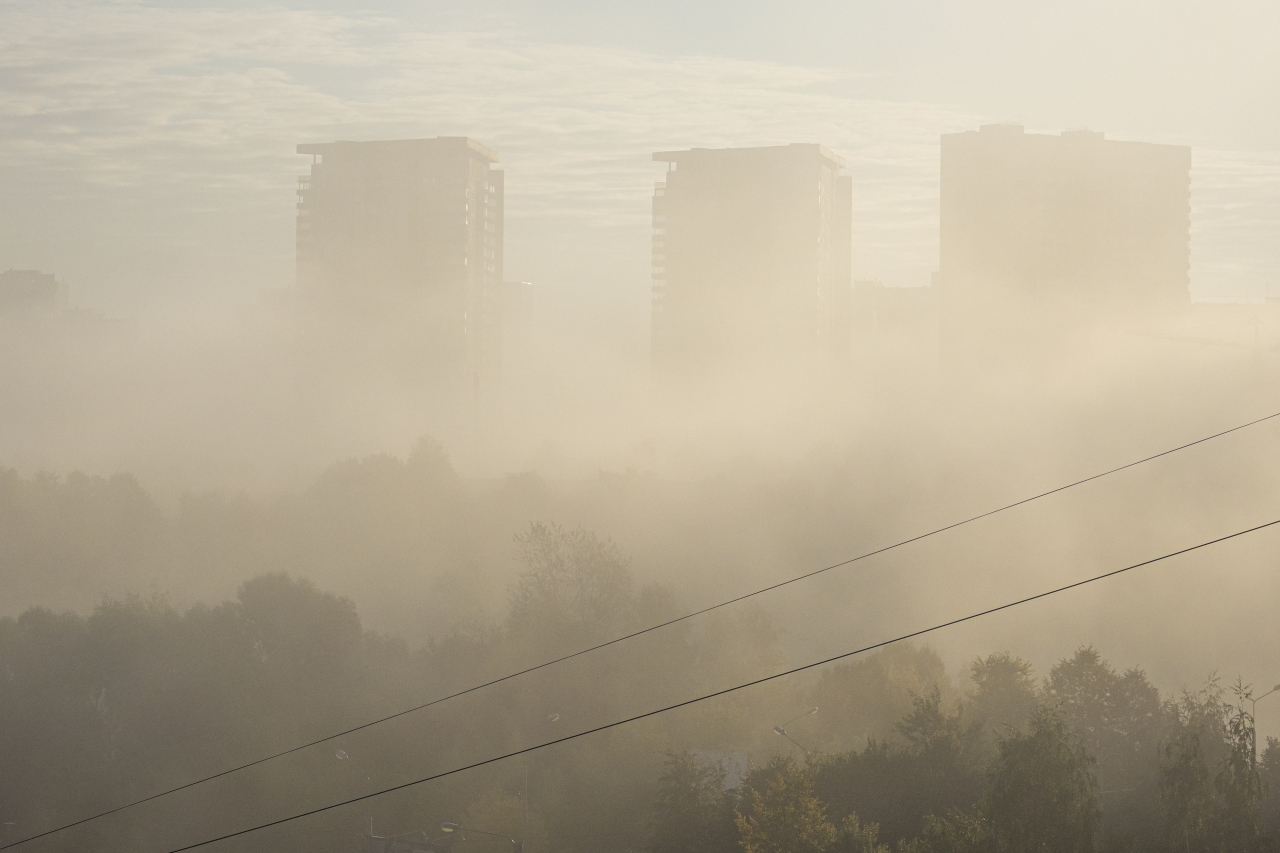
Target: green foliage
x,y
1185,786
855,836
140,695
1238,785
573,580
932,731
1121,721
1043,795
1004,695
692,811
1269,778
867,697
785,817
956,832
1118,716
1210,787
899,785
64,535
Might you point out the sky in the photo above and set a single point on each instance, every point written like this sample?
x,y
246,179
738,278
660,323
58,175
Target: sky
x,y
147,149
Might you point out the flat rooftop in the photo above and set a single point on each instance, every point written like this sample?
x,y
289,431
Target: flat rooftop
x,y
437,142
811,148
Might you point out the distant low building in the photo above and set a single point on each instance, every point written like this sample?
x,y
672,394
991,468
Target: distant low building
x,y
60,362
31,292
35,312
1043,236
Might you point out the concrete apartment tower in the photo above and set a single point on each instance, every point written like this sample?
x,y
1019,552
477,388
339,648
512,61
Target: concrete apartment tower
x,y
751,263
1043,237
399,263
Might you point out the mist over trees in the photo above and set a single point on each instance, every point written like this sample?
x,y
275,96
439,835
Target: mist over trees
x,y
140,696
668,427
152,641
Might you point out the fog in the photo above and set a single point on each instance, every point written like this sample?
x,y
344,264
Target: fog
x,y
356,358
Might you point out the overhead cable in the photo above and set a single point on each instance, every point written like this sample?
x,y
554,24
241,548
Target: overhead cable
x,y
634,634
616,723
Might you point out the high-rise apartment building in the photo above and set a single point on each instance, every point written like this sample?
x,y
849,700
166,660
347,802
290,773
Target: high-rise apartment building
x,y
1042,236
399,255
751,260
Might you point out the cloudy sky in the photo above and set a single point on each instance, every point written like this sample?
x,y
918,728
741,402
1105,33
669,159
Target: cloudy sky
x,y
147,149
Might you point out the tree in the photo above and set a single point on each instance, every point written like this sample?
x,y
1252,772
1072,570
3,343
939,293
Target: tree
x,y
786,817
1209,785
1239,789
1004,695
1185,780
936,771
855,836
1120,718
573,579
932,731
957,832
692,812
1043,795
866,697
1117,716
1269,777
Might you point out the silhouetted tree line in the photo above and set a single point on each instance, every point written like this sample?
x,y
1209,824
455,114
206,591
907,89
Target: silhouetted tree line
x,y
139,696
1091,760
420,547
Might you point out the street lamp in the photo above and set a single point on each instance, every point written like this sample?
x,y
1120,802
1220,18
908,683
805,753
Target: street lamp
x,y
781,730
808,713
1254,712
524,762
450,826
341,755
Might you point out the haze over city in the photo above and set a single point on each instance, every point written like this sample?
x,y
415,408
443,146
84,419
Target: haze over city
x,y
393,390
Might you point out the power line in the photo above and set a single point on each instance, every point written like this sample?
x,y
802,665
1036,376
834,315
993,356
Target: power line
x,y
632,635
725,691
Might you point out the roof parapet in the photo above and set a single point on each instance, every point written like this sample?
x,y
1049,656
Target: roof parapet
x,y
821,150
434,142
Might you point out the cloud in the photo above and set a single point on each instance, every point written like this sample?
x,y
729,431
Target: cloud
x,y
200,109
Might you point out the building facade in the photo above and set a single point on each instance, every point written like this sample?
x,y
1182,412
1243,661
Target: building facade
x,y
751,261
1044,236
399,257
31,292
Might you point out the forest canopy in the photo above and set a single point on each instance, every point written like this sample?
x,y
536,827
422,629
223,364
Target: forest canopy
x,y
140,696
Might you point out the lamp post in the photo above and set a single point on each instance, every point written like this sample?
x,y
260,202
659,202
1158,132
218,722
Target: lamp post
x,y
1254,712
808,713
781,730
450,826
524,821
341,755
